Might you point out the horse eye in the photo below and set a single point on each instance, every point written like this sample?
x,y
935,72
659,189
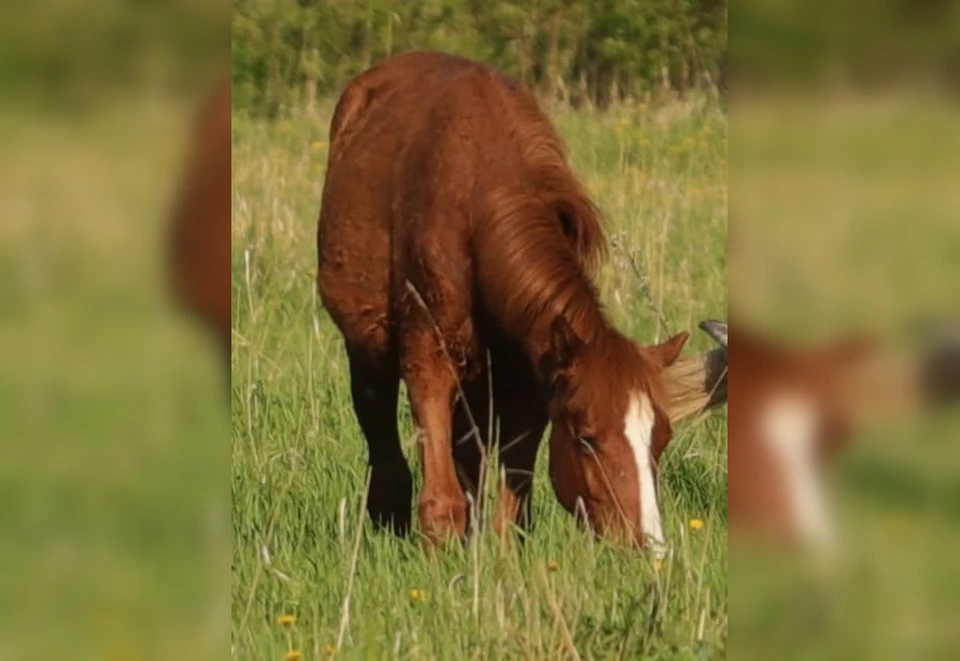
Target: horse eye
x,y
587,443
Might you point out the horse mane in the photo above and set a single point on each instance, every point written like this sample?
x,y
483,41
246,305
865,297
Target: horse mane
x,y
539,241
550,176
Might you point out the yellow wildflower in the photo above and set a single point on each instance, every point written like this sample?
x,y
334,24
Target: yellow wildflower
x,y
287,620
417,595
293,655
553,565
696,524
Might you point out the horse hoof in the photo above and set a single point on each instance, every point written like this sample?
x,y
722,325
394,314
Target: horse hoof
x,y
442,519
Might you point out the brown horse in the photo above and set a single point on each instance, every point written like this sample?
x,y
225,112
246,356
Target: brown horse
x,y
455,252
199,248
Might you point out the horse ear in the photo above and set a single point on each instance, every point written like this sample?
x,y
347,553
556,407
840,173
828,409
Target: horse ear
x,y
665,354
565,344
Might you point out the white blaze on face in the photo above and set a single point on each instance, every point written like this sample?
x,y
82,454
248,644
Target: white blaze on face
x,y
790,429
638,428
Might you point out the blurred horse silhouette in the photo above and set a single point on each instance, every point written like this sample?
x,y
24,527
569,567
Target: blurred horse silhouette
x,y
793,407
199,247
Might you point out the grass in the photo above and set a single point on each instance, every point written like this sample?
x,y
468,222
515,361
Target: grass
x,y
302,543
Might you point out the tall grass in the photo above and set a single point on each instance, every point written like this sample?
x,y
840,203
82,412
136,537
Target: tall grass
x,y
302,542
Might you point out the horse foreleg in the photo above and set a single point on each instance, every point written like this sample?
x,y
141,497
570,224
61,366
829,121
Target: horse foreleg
x,y
470,444
522,422
442,505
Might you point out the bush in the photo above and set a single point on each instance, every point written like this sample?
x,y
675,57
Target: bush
x,y
290,52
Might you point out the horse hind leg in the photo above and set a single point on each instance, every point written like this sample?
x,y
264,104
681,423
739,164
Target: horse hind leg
x,y
390,491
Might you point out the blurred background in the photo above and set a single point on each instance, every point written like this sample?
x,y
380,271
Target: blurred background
x,y
843,161
845,222
114,458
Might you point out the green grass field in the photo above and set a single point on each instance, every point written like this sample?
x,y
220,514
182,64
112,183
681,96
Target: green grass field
x,y
302,543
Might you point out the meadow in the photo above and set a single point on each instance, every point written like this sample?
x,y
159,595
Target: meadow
x,y
312,579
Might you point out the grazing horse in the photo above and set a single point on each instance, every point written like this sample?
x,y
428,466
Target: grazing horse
x,y
199,246
455,252
793,408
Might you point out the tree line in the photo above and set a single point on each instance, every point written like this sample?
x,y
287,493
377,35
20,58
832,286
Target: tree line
x,y
581,52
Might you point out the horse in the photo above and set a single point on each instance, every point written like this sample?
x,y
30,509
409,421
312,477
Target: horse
x,y
456,251
198,250
795,408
